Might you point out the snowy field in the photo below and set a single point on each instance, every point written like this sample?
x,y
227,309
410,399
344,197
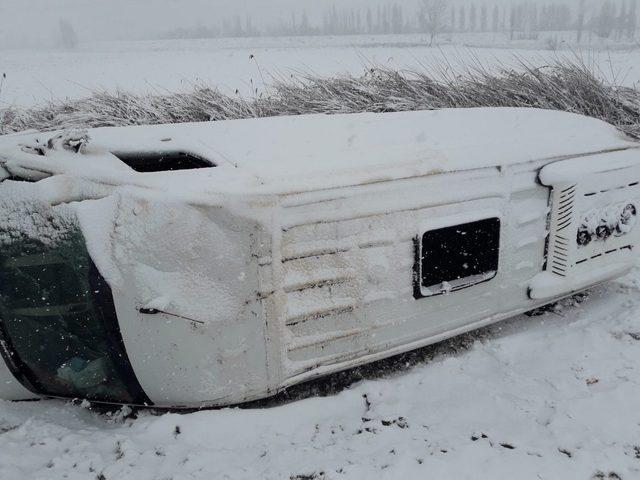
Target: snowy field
x,y
553,396
248,65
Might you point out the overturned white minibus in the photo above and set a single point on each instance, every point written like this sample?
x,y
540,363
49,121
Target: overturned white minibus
x,y
216,263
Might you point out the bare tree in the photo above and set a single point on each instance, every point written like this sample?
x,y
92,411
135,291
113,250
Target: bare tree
x,y
472,18
604,23
632,21
68,37
462,19
495,22
580,20
483,18
452,18
433,17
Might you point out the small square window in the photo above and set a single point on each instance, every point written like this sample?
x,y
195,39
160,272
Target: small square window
x,y
456,257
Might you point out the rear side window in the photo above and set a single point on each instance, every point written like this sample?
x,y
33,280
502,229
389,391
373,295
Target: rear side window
x,y
456,257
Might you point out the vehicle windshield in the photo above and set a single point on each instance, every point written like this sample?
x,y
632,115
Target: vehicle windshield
x,y
59,323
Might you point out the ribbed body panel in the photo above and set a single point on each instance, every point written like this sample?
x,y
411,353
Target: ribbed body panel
x,y
345,285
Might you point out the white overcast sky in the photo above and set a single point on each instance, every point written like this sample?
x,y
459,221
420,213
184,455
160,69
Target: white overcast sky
x,y
128,17
31,21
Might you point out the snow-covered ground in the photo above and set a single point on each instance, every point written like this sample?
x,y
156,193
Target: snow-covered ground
x,y
249,64
550,396
553,396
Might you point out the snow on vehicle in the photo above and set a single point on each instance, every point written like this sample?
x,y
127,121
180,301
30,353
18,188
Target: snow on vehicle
x,y
216,263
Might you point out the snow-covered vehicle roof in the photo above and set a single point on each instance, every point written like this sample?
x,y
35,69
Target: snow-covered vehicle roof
x,y
310,152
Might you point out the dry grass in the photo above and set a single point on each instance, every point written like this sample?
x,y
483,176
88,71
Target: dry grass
x,y
563,85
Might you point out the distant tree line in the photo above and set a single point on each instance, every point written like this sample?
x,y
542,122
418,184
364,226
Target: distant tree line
x,y
613,19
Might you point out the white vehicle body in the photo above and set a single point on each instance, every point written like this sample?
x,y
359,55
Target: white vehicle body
x,y
306,248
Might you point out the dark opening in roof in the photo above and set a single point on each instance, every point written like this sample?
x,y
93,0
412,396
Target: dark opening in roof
x,y
162,161
18,179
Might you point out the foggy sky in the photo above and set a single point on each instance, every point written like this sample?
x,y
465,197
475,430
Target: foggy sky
x,y
35,22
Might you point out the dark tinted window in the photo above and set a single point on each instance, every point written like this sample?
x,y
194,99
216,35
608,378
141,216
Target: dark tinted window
x,y
58,324
163,161
456,257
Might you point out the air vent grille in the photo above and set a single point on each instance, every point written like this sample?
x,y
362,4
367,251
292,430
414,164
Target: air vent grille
x,y
562,218
565,208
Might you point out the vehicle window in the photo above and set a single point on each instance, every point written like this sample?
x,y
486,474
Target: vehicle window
x,y
163,161
457,257
58,323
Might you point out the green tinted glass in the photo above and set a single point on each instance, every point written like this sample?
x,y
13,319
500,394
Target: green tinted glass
x,y
59,323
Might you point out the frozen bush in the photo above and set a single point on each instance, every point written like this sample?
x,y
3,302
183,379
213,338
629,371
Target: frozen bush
x,y
567,85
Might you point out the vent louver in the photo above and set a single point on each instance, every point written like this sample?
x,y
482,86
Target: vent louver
x,y
561,221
